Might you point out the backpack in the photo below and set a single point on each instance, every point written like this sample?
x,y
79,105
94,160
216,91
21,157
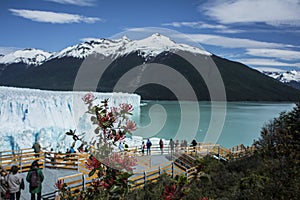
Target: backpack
x,y
34,179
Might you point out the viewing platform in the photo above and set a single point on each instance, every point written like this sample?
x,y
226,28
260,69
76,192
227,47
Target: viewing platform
x,y
71,167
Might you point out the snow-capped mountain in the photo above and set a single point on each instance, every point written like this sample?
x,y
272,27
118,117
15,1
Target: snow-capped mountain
x,y
147,47
291,78
27,56
58,71
284,76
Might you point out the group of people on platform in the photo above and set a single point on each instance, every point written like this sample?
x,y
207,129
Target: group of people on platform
x,y
12,182
172,145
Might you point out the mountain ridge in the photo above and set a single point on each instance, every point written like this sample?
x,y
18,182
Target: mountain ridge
x,y
59,71
149,47
291,78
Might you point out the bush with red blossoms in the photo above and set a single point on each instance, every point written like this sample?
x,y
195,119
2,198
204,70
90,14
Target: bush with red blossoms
x,y
111,168
177,189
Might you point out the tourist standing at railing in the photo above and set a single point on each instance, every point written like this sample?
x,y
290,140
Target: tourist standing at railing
x,y
52,156
185,143
121,147
35,178
194,143
143,147
148,144
176,145
72,150
172,144
37,149
15,183
161,146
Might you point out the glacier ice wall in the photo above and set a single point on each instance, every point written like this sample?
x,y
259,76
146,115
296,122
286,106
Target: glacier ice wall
x,y
27,115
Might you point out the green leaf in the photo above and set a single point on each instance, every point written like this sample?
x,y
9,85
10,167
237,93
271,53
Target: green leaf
x,y
92,172
70,132
115,189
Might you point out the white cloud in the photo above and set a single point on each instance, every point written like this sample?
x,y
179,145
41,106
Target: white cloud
x,y
229,42
273,12
275,53
202,25
268,62
53,17
75,2
88,39
7,50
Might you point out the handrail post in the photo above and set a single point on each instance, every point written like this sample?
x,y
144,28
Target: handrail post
x,y
219,152
145,179
20,161
77,162
83,181
172,169
159,170
44,164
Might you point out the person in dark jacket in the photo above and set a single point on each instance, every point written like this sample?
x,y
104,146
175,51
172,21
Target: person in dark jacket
x,y
149,144
161,146
194,143
37,149
35,189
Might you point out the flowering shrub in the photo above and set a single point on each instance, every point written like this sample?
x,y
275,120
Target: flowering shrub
x,y
111,168
177,189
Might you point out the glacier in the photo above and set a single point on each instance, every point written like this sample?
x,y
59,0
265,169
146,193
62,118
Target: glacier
x,y
27,115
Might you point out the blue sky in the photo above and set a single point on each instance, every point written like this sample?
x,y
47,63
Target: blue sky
x,y
259,33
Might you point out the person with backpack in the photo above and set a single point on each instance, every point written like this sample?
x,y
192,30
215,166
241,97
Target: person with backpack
x,y
35,178
15,183
148,144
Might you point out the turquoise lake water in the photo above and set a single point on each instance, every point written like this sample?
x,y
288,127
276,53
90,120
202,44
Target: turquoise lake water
x,y
187,120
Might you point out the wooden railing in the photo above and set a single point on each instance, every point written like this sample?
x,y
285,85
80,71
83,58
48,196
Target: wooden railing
x,y
181,162
138,180
24,157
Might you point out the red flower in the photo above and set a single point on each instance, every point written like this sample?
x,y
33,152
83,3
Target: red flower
x,y
169,192
126,108
93,163
120,162
59,184
88,98
130,126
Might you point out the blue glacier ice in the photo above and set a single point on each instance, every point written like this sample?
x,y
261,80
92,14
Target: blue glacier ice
x,y
27,115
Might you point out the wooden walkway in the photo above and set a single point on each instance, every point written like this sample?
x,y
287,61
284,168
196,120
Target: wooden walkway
x,y
71,168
